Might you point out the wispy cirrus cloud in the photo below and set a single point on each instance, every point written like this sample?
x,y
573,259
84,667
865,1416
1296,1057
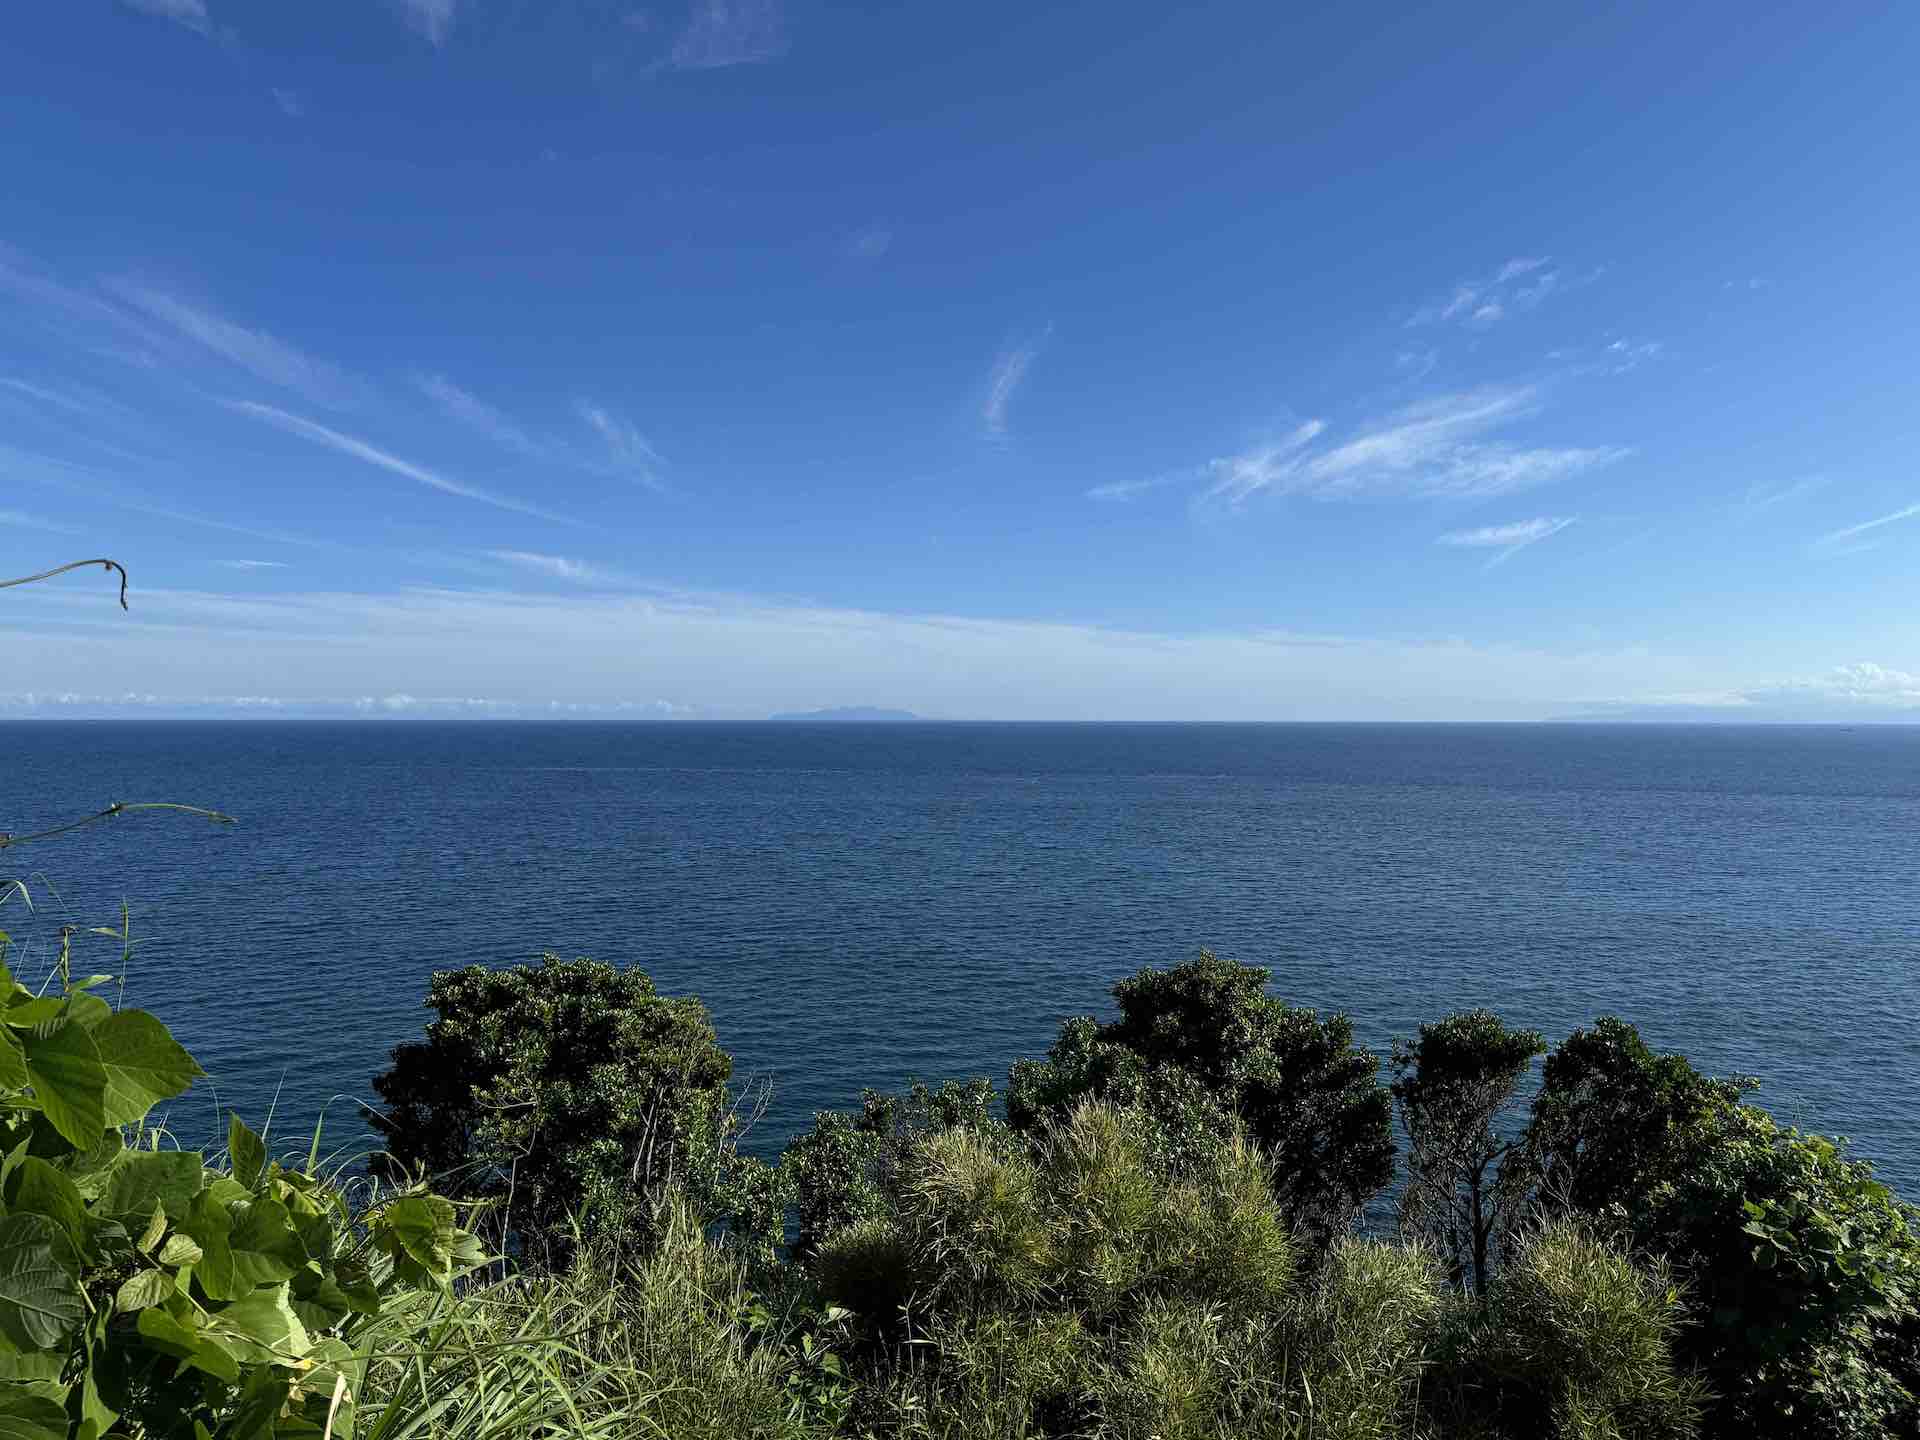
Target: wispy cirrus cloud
x,y
255,351
1009,369
190,13
1764,495
432,19
730,32
254,564
1507,540
470,410
559,567
290,103
372,455
632,454
1127,489
1520,284
1906,512
1433,449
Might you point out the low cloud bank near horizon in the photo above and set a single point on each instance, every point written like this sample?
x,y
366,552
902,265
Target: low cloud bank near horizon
x,y
686,654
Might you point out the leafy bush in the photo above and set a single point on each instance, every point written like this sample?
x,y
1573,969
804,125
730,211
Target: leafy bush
x,y
1573,1341
571,1093
1202,1043
1806,1278
144,1294
1361,1338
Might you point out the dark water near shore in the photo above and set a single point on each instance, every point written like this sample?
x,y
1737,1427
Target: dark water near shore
x,y
862,904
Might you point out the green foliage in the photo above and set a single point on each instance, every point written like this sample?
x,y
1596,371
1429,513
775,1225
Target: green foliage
x,y
1362,1337
1613,1119
1452,1083
845,1169
1573,1342
1202,1043
142,1293
1805,1272
570,1093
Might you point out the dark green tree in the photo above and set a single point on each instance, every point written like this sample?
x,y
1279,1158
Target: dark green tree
x,y
1613,1119
1452,1084
569,1091
1202,1042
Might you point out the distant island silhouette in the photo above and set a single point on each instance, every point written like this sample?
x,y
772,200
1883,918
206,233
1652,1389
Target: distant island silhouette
x,y
858,714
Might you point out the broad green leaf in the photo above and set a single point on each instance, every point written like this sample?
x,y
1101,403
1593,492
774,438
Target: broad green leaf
x,y
70,1082
13,1061
40,1300
104,1241
209,1223
420,1228
144,1063
85,1009
36,1188
149,1287
356,1284
265,1248
181,1250
168,1178
92,1168
26,1416
17,1364
26,1010
156,1228
248,1151
169,1336
264,1326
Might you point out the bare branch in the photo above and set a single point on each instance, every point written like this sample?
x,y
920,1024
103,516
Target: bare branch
x,y
119,807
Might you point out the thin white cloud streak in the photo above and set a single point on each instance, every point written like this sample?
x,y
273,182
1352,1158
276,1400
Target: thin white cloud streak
x,y
1905,513
432,19
1520,532
742,655
254,564
1004,379
730,32
190,13
631,452
1127,489
1764,495
290,103
470,410
50,397
372,455
1508,539
1481,303
1430,450
558,567
252,350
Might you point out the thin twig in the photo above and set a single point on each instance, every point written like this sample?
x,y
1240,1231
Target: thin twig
x,y
75,565
119,807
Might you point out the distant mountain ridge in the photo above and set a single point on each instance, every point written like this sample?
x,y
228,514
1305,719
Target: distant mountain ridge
x,y
857,714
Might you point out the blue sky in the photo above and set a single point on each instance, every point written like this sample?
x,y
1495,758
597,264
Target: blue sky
x,y
715,357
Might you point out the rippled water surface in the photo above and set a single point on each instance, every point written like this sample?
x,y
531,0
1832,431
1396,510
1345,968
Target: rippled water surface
x,y
862,904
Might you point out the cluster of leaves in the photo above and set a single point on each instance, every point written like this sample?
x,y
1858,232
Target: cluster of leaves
x,y
573,1095
1201,1044
142,1293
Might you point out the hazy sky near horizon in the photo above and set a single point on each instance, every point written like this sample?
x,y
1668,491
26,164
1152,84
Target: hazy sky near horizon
x,y
1214,361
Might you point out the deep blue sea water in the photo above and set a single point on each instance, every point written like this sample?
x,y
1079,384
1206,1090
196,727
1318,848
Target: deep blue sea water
x,y
858,905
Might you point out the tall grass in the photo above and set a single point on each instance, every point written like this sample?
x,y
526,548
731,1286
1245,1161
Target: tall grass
x,y
658,1347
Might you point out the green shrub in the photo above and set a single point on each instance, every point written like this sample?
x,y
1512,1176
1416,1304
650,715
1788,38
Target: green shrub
x,y
1201,1043
1361,1337
571,1093
1573,1341
1805,1275
145,1294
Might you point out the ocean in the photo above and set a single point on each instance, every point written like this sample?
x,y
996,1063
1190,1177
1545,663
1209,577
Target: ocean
x,y
859,905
